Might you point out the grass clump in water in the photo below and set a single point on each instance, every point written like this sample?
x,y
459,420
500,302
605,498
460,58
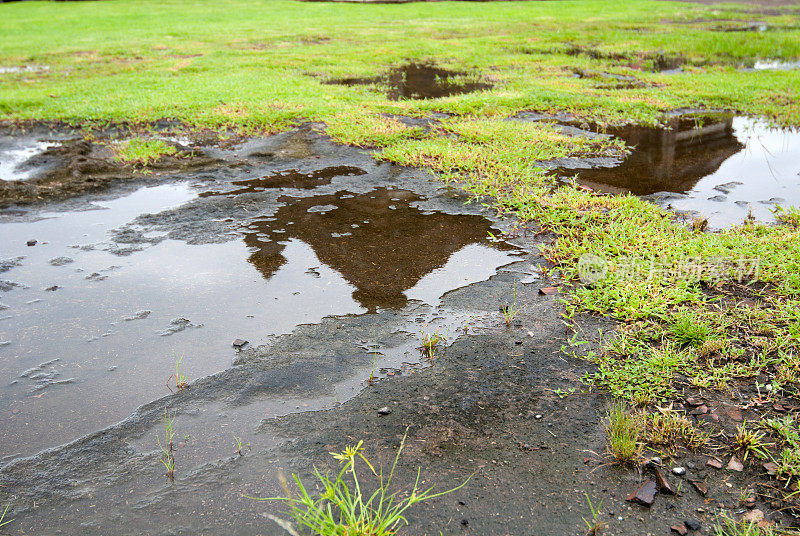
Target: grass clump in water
x,y
343,508
142,151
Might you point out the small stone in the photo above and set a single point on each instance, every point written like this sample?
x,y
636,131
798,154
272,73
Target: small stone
x,y
716,464
733,413
692,524
694,402
645,495
537,416
52,289
735,465
753,516
548,291
384,410
701,488
700,410
663,484
31,243
771,468
680,471
238,343
679,529
750,502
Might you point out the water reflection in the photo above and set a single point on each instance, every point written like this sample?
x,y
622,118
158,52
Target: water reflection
x,y
380,244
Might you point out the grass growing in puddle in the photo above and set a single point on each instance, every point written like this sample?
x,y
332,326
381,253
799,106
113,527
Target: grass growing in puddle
x,y
344,507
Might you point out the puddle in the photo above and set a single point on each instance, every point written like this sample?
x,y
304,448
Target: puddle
x,y
420,81
23,69
387,249
776,65
14,152
87,335
725,169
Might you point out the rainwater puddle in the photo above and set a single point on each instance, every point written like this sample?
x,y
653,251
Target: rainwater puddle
x,y
776,65
23,69
16,151
87,335
724,170
420,81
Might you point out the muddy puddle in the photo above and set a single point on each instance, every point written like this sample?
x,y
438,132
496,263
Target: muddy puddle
x,y
723,168
97,303
420,81
15,152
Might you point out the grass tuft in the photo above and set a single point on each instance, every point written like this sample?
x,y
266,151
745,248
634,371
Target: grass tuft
x,y
343,508
623,434
142,151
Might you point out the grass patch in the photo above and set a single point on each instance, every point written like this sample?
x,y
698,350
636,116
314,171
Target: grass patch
x,y
623,431
142,151
342,507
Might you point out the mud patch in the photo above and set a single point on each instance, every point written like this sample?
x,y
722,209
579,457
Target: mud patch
x,y
725,168
290,179
420,81
33,169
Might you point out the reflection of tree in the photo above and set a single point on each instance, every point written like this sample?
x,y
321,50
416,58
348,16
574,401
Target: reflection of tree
x,y
388,250
667,160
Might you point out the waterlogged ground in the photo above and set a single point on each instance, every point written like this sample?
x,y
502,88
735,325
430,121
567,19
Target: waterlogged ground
x,y
295,278
724,168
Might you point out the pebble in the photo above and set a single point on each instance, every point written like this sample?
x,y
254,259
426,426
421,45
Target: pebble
x,y
679,471
384,410
692,524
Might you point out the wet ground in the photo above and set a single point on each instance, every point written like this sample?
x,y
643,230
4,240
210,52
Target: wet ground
x,y
333,268
419,81
724,168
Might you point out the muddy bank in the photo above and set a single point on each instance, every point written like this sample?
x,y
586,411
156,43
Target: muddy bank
x,y
47,164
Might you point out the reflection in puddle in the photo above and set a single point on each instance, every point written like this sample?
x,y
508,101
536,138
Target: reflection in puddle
x,y
91,335
420,81
378,242
13,153
725,168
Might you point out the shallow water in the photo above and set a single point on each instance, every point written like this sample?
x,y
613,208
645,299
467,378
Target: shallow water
x,y
14,152
726,169
420,81
90,335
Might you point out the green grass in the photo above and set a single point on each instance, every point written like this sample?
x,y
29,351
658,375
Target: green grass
x,y
623,434
260,65
142,151
342,506
3,520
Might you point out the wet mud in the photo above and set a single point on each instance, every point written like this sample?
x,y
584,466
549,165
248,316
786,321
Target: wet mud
x,y
45,165
420,81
